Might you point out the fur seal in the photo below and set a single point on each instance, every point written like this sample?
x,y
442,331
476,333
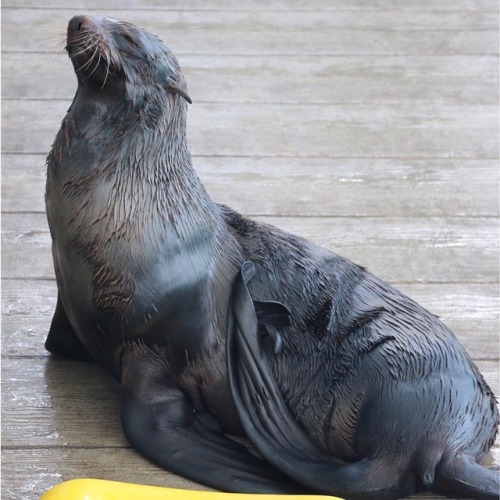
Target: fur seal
x,y
216,324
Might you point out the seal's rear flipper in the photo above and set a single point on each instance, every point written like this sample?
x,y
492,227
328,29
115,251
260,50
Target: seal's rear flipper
x,y
161,424
462,476
272,428
62,340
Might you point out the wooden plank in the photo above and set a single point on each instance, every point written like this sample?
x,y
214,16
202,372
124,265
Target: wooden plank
x,y
310,186
287,79
28,473
332,130
397,250
27,309
424,250
258,5
47,402
366,31
470,310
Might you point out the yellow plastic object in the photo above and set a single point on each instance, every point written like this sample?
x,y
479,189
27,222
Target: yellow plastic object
x,y
98,489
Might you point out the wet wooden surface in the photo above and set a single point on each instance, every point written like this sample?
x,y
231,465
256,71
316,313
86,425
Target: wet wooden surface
x,y
369,127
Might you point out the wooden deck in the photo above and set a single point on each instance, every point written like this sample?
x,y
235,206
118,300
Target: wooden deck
x,y
369,127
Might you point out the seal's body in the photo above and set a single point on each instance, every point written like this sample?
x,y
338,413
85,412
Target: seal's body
x,y
216,324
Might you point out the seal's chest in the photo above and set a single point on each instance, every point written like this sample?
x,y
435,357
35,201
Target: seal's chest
x,y
113,289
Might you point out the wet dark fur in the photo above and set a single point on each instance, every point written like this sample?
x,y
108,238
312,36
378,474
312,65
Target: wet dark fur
x,y
145,263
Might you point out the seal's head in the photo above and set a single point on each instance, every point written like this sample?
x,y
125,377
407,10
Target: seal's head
x,y
111,56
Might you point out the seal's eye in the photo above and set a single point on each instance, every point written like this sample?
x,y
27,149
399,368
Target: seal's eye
x,y
130,40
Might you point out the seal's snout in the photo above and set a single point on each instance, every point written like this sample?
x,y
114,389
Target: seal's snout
x,y
81,35
88,46
80,24
83,23
90,24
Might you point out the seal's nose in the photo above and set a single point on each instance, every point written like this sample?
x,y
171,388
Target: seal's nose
x,y
78,24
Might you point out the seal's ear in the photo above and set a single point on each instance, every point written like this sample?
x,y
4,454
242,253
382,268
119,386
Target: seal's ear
x,y
175,87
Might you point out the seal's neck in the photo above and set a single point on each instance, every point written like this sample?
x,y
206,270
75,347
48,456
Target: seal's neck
x,y
141,133
131,165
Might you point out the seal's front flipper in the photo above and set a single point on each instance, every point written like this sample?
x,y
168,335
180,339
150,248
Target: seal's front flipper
x,y
262,411
273,429
62,339
161,424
